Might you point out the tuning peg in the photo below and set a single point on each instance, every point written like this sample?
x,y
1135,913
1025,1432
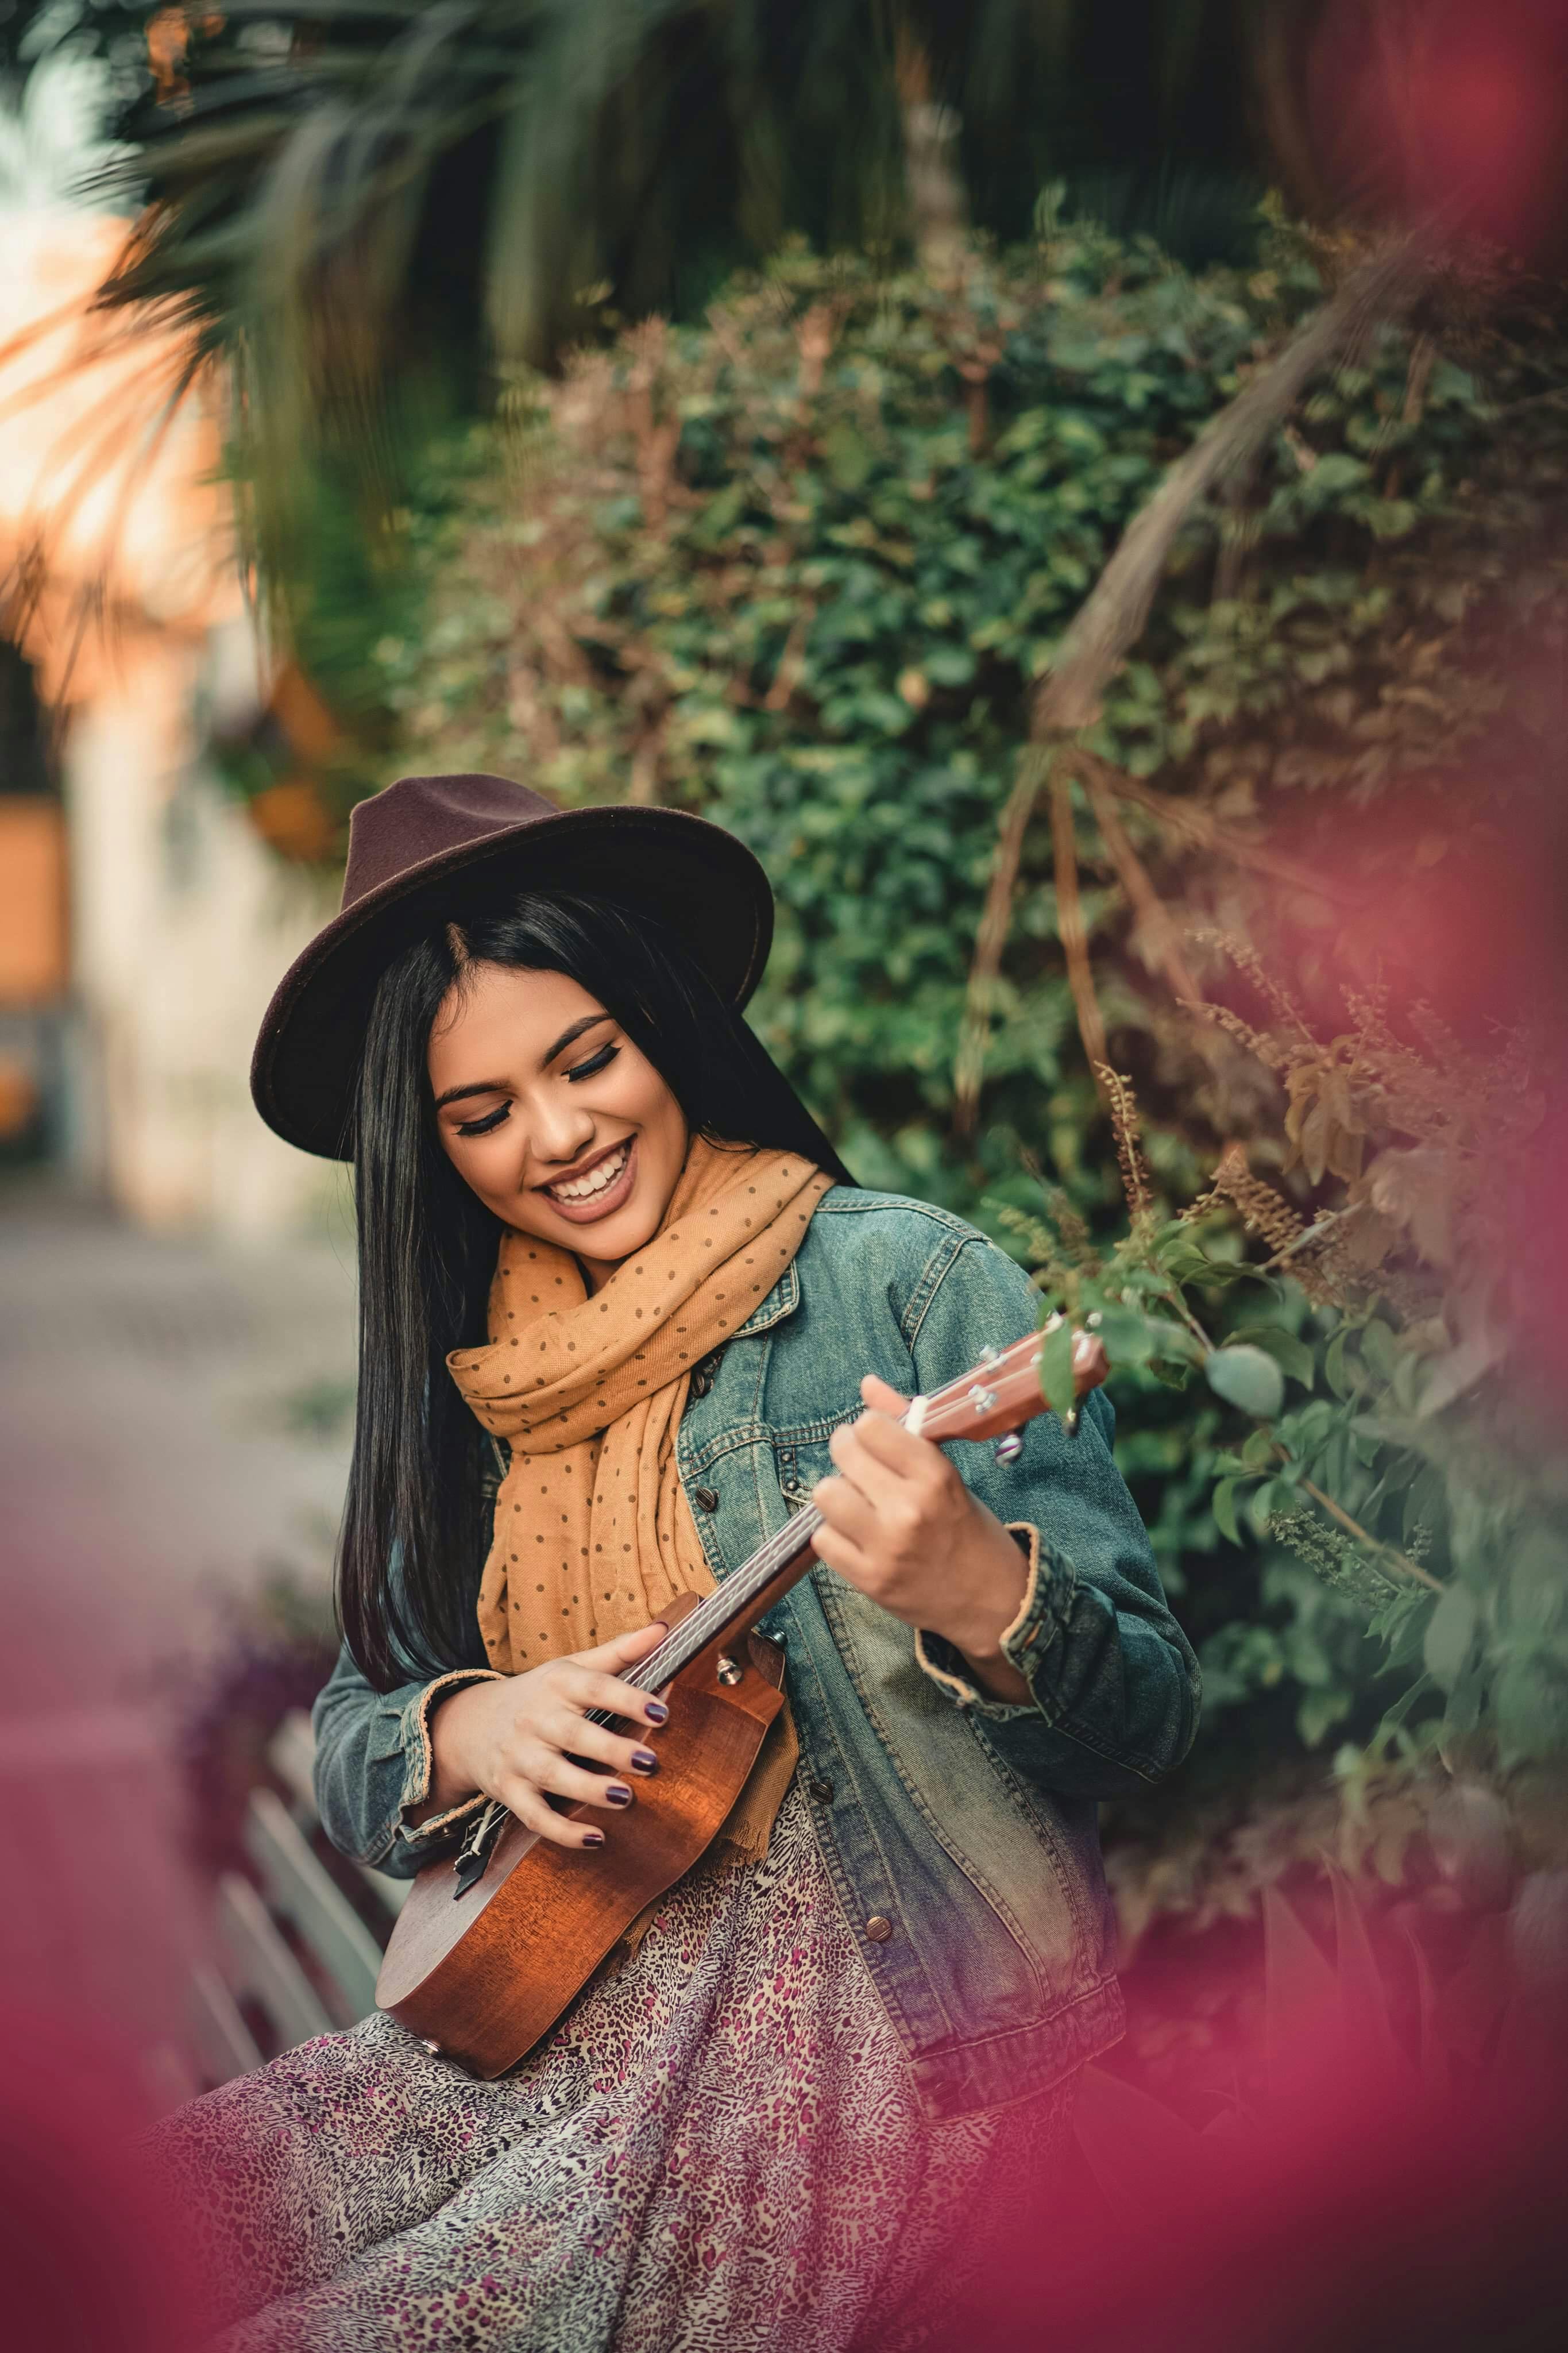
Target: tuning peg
x,y
1008,1447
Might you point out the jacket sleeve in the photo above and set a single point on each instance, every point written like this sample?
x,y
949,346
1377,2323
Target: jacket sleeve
x,y
1114,1680
373,1763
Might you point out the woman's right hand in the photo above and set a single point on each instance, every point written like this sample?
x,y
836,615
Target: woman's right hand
x,y
514,1739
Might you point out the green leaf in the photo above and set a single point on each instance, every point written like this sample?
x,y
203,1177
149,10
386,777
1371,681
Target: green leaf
x,y
1538,1580
1224,1509
1450,1630
1394,1716
1320,1712
1056,1369
950,665
1265,1502
1463,1712
1293,1356
1130,1339
1531,1700
1339,1373
1245,1376
1186,1264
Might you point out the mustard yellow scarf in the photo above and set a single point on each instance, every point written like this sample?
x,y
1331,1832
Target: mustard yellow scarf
x,y
592,1533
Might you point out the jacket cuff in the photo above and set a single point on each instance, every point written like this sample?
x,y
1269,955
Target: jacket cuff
x,y
1047,1597
419,1763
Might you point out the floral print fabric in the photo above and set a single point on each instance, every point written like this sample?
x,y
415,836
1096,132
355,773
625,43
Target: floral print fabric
x,y
719,2148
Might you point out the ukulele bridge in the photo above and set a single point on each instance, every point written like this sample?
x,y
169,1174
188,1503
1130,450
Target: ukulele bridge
x,y
473,1856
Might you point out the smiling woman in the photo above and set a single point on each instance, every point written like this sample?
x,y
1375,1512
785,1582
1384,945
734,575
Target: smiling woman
x,y
618,1296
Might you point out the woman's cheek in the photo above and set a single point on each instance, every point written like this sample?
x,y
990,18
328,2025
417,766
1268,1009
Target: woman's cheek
x,y
491,1169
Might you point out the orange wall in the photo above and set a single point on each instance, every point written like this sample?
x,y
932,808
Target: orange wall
x,y
32,950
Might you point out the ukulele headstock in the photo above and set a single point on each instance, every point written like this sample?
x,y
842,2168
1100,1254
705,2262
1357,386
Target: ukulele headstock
x,y
1004,1391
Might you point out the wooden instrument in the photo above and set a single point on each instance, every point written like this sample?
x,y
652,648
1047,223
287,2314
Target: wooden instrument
x,y
487,1952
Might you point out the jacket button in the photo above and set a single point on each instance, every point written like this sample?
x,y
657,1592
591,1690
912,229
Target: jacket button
x,y
878,1929
705,1498
821,1792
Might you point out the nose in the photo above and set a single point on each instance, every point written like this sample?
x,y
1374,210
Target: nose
x,y
560,1131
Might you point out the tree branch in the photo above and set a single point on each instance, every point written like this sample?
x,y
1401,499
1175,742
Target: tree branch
x,y
992,939
1113,619
1157,924
1206,833
1071,930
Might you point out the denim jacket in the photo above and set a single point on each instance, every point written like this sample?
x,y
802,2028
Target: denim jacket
x,y
959,1832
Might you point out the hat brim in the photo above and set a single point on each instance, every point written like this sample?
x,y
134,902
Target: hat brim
x,y
685,873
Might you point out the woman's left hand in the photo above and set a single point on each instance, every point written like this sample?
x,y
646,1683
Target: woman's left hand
x,y
899,1523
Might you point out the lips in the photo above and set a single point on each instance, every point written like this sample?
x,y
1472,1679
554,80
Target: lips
x,y
597,1189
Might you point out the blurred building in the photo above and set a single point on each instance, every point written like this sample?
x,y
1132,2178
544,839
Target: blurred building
x,y
143,921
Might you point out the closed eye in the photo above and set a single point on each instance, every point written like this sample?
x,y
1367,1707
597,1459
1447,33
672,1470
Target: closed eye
x,y
595,1064
483,1126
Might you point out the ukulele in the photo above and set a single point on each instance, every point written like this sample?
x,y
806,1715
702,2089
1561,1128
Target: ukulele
x,y
489,1951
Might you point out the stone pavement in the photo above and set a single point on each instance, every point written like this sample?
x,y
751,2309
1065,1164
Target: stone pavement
x,y
148,1476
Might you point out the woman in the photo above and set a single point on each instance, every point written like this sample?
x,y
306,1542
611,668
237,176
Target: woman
x,y
622,1310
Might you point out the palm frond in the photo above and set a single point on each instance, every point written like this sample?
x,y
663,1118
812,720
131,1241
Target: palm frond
x,y
379,201
558,144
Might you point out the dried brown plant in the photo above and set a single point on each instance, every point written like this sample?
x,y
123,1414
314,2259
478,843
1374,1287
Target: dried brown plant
x,y
1262,1208
1251,964
1127,1128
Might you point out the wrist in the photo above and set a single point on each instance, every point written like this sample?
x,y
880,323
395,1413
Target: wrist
x,y
994,1602
989,1592
453,1718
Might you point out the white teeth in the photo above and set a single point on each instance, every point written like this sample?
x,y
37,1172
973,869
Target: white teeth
x,y
597,1180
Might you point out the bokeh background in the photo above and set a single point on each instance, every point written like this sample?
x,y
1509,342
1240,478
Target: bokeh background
x,y
743,407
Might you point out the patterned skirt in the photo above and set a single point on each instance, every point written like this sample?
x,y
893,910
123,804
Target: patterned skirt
x,y
720,2149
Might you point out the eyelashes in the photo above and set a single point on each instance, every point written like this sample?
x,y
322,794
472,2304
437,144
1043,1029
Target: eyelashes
x,y
482,1126
588,1069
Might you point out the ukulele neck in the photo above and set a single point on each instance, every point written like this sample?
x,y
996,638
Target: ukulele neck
x,y
734,1607
993,1401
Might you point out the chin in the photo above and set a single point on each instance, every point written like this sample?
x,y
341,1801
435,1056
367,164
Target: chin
x,y
619,1237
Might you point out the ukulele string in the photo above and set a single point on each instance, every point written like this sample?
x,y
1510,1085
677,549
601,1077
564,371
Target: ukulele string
x,y
725,1603
731,1599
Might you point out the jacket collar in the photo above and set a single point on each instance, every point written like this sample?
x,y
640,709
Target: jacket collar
x,y
781,1301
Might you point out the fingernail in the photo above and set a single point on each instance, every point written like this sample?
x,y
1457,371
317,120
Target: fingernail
x,y
644,1760
656,1711
617,1794
593,1838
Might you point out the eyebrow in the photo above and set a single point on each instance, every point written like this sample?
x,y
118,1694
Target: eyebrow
x,y
568,1037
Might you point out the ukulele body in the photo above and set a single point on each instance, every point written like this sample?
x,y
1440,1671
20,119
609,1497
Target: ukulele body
x,y
484,1978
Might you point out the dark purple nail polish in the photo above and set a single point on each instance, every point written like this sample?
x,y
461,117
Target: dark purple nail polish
x,y
644,1760
593,1838
617,1794
656,1711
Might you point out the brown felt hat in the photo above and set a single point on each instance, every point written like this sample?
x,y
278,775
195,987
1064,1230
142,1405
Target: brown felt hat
x,y
410,844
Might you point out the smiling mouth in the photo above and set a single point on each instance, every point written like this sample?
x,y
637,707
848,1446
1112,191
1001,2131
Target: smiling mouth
x,y
600,1186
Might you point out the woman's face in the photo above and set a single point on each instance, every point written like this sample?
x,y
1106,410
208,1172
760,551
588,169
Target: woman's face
x,y
547,1110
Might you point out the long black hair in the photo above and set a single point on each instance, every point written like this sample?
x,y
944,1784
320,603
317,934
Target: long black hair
x,y
427,1244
